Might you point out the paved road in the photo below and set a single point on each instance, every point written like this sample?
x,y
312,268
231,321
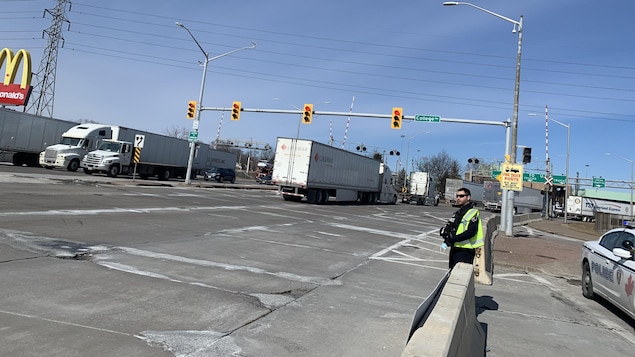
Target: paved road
x,y
105,267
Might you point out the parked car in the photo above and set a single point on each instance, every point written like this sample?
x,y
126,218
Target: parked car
x,y
608,268
265,180
220,175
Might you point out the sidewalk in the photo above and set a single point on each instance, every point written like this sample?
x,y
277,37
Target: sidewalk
x,y
533,247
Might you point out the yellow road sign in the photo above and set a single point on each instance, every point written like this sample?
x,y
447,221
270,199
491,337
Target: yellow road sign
x,y
512,177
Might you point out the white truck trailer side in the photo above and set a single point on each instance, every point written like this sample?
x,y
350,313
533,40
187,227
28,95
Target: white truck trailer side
x,y
162,156
24,135
421,189
584,208
76,142
305,168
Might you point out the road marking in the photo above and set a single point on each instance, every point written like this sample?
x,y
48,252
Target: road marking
x,y
66,323
92,212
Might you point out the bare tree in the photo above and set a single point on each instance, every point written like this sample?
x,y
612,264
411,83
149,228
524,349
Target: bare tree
x,y
440,167
177,132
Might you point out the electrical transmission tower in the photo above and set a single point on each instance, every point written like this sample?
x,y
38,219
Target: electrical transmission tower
x,y
44,89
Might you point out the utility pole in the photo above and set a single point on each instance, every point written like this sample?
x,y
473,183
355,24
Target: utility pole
x,y
44,89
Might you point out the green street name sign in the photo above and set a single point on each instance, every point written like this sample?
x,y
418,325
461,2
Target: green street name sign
x,y
428,118
193,136
540,178
599,182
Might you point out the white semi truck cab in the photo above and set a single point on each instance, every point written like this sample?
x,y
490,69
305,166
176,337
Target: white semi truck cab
x,y
75,143
112,157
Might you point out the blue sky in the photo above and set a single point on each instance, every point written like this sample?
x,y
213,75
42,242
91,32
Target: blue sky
x,y
127,63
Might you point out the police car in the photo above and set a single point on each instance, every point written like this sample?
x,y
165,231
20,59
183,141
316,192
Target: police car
x,y
608,268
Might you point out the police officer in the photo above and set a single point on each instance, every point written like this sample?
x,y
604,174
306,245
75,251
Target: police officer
x,y
464,232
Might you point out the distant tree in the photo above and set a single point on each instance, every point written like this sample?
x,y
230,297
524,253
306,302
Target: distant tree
x,y
177,132
440,167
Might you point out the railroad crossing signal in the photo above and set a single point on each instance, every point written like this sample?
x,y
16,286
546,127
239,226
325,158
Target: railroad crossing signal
x,y
397,117
191,109
236,109
307,117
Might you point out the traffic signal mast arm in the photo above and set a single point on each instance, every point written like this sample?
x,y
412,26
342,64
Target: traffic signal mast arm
x,y
359,115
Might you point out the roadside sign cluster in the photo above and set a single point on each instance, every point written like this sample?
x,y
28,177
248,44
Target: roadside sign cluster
x,y
538,178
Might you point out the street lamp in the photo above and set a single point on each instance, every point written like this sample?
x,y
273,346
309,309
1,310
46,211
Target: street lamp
x,y
518,27
408,150
631,185
188,174
566,177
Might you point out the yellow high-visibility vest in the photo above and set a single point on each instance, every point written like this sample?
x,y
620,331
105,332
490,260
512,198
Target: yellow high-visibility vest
x,y
477,240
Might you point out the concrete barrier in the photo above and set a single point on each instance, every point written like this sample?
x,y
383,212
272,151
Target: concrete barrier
x,y
451,329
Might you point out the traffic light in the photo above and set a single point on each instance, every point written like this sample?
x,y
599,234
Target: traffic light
x,y
236,109
191,109
473,160
526,155
397,116
307,116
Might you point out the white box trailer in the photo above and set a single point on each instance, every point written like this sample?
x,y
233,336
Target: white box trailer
x,y
162,156
421,189
24,135
584,208
305,168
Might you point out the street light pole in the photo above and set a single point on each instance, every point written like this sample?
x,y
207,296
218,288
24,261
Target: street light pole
x,y
566,178
518,27
408,149
188,174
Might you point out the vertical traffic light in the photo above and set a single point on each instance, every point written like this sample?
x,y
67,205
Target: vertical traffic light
x,y
191,109
307,116
397,116
236,109
526,155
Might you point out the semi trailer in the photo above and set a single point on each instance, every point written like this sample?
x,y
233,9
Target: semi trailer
x,y
23,136
315,171
148,154
421,189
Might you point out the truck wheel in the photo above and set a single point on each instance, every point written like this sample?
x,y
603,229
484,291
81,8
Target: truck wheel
x,y
436,202
311,196
73,165
325,196
286,197
17,159
164,175
113,171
